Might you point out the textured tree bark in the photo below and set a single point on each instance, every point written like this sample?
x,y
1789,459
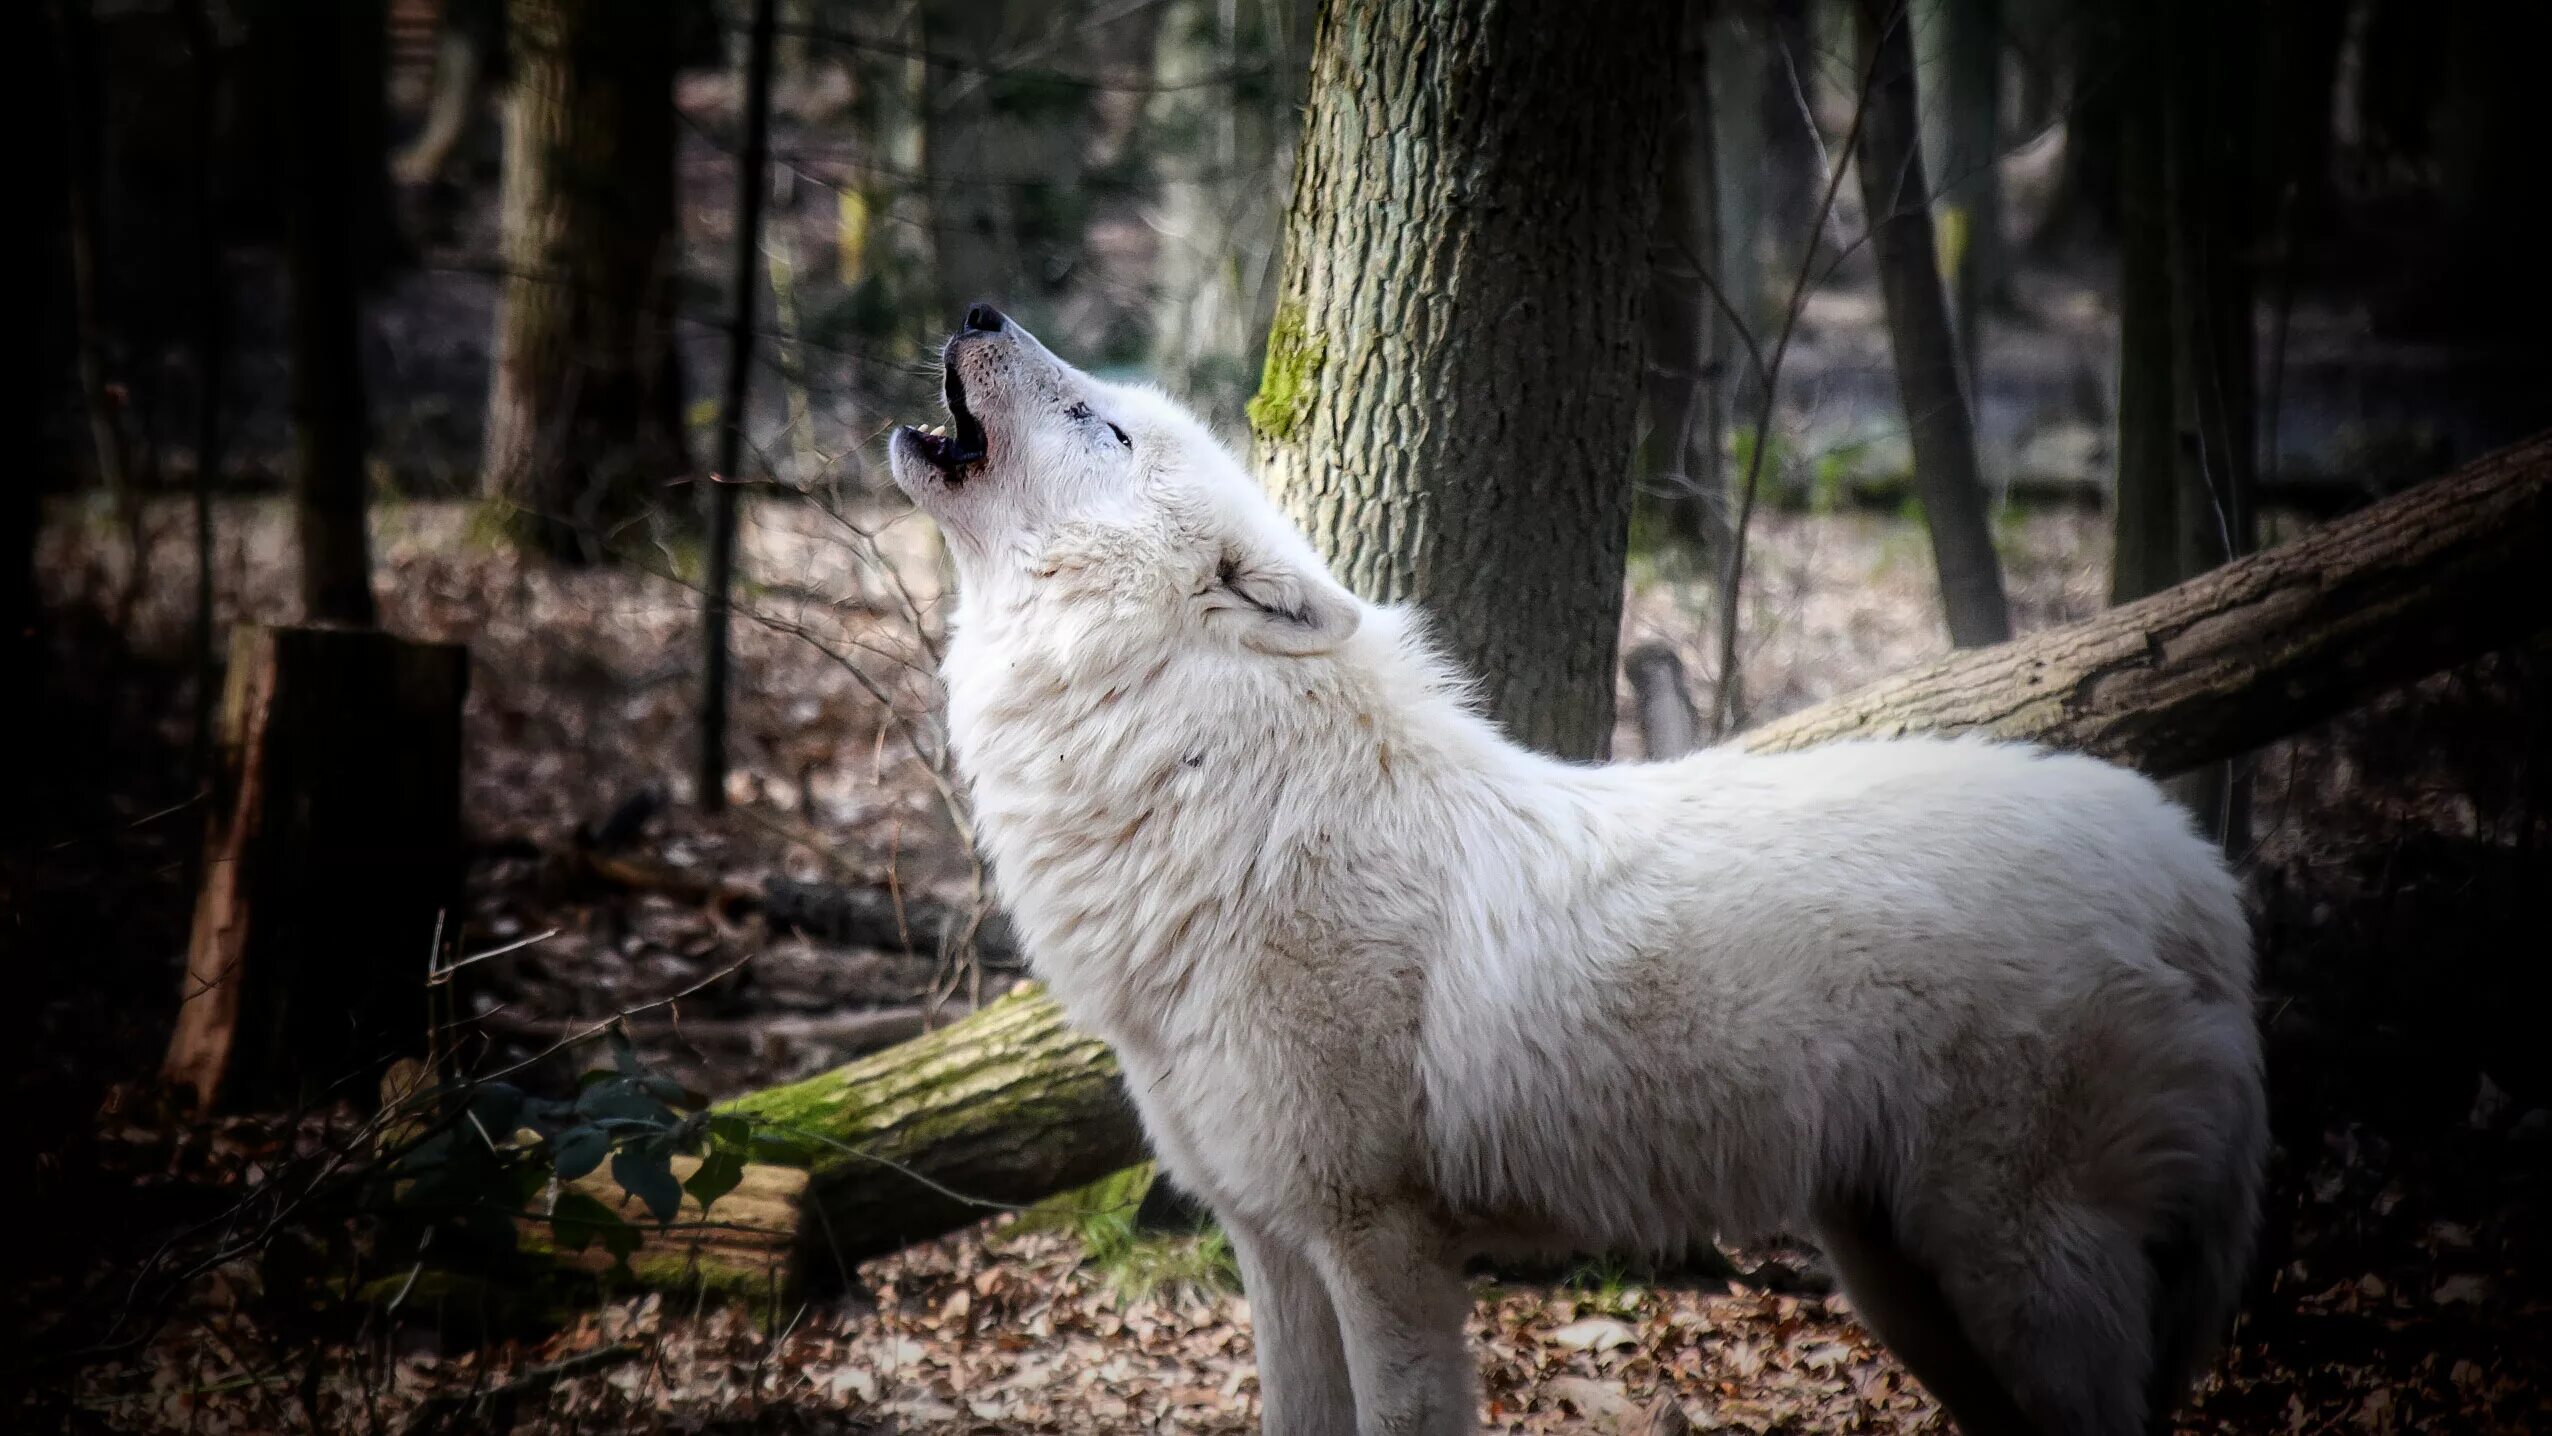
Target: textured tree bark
x,y
1452,371
1929,375
584,413
1686,493
742,1248
739,1246
325,202
332,852
1010,1105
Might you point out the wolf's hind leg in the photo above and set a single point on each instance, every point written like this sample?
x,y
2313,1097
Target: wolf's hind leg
x,y
1303,1387
1899,1298
1401,1301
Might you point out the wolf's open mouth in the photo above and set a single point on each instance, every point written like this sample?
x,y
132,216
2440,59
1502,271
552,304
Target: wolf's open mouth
x,y
964,444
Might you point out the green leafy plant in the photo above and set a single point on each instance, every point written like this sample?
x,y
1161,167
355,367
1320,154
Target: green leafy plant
x,y
1610,1286
476,1156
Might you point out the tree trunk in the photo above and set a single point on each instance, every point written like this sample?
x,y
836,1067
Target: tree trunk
x,y
212,360
1010,1105
323,236
1688,344
883,239
1452,372
2489,132
1971,186
753,180
2208,129
1218,214
584,414
1753,109
2302,56
2209,49
1928,371
331,857
2145,551
2084,208
1791,173
2186,371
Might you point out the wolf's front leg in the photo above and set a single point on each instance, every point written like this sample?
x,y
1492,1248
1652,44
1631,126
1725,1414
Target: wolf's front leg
x,y
1401,1301
1302,1372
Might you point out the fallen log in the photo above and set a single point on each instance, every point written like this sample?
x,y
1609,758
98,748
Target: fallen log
x,y
742,1248
2251,651
1011,1105
984,1115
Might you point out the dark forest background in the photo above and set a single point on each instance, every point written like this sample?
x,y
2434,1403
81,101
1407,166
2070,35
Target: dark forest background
x,y
457,614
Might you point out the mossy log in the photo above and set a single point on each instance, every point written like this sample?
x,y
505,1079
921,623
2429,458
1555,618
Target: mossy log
x,y
989,1113
741,1249
1011,1105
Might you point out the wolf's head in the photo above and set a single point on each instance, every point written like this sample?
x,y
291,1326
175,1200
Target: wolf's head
x,y
1102,504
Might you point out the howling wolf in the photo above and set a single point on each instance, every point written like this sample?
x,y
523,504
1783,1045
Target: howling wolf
x,y
1390,990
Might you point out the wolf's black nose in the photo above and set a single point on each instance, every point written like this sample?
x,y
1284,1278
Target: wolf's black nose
x,y
983,319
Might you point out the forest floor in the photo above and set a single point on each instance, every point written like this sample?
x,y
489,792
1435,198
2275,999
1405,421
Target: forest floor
x,y
2396,854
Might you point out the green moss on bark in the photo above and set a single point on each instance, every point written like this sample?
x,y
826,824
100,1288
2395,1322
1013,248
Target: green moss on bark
x,y
988,1114
1290,379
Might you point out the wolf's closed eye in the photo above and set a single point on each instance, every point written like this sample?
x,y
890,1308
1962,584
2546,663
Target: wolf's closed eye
x,y
1079,412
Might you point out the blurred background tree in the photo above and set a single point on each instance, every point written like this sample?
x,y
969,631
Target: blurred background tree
x,y
585,411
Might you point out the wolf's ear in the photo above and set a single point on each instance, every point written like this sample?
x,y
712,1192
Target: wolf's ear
x,y
1279,605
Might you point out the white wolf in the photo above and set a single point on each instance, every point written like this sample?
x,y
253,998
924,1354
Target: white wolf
x,y
1390,990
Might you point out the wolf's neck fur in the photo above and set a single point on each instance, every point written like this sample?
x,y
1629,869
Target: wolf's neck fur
x,y
1333,805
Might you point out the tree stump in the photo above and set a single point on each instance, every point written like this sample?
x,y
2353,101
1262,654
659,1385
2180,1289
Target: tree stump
x,y
331,852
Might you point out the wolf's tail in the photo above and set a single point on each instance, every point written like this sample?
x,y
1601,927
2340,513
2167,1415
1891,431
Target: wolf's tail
x,y
2200,1271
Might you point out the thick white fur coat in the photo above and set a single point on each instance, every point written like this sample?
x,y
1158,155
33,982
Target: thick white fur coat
x,y
1389,989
